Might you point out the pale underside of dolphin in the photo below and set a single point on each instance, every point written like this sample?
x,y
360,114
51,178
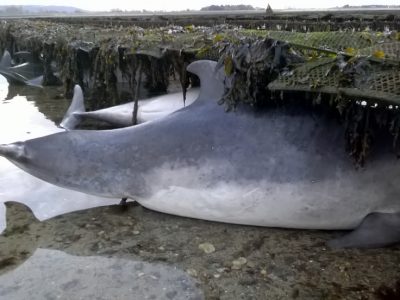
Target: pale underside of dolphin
x,y
274,168
122,115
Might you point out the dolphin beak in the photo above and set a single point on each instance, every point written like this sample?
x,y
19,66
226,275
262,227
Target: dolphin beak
x,y
14,151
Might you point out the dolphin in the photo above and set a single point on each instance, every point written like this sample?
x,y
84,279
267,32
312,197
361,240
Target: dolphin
x,y
121,115
6,60
27,73
277,168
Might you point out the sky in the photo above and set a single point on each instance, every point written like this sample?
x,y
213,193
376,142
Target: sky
x,y
172,5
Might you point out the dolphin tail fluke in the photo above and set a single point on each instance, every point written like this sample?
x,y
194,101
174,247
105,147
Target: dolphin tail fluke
x,y
36,82
6,60
72,118
375,231
18,216
211,79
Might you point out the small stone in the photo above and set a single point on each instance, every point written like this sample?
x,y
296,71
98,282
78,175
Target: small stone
x,y
161,248
207,248
238,263
192,272
100,233
217,276
136,232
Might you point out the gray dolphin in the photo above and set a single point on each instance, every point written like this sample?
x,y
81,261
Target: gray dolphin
x,y
29,72
6,60
26,73
121,115
270,168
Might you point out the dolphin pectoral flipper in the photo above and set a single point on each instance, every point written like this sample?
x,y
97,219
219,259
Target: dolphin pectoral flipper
x,y
376,230
71,118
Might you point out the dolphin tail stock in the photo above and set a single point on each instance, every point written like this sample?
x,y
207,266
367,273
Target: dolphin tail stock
x,y
375,231
18,217
71,118
211,79
6,60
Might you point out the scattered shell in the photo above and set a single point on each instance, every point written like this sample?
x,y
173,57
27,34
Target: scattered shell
x,y
238,263
207,248
221,270
136,232
263,272
192,272
217,275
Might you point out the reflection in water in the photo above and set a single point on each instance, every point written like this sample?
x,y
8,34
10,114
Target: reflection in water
x,y
71,277
20,119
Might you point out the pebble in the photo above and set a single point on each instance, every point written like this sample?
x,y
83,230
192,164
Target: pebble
x,y
136,232
207,248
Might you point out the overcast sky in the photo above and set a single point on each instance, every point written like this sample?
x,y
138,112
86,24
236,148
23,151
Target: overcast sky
x,y
168,5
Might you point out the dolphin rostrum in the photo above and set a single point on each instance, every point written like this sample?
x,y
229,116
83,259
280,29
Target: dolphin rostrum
x,y
121,115
277,168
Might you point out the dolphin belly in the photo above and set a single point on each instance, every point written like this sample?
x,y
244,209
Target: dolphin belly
x,y
331,203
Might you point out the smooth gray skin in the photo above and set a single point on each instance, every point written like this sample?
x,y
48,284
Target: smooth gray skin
x,y
25,73
28,73
121,115
277,168
6,60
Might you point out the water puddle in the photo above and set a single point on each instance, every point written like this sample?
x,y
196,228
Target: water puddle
x,y
27,113
95,277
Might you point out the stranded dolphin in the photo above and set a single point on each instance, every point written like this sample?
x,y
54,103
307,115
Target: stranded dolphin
x,y
121,115
271,168
26,73
6,60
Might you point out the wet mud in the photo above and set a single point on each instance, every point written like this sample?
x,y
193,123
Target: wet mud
x,y
228,261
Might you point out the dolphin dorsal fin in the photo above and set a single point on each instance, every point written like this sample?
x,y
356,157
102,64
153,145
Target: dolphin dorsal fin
x,y
211,80
71,118
6,60
18,216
